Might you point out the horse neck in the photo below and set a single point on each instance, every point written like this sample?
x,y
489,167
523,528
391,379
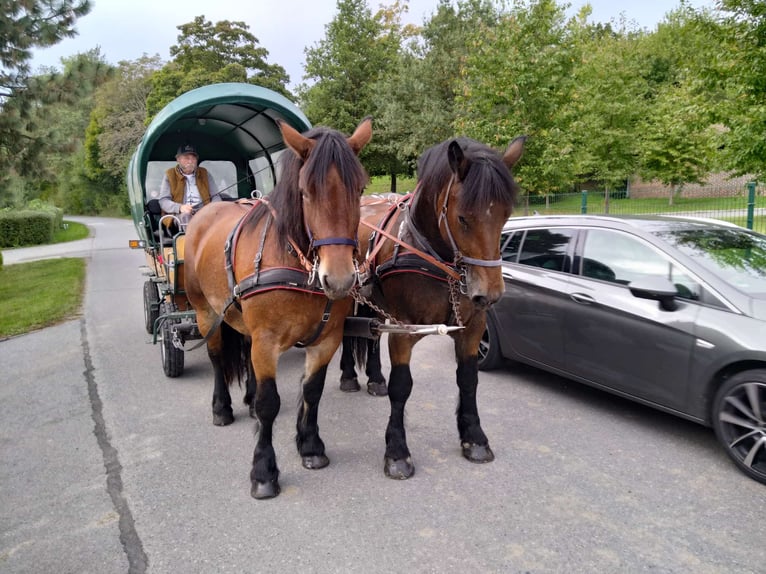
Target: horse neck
x,y
424,216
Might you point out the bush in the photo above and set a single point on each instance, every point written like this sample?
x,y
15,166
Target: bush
x,y
27,227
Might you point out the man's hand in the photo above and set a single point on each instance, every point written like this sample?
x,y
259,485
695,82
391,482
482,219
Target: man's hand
x,y
186,208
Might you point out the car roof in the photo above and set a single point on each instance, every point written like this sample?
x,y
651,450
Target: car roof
x,y
649,223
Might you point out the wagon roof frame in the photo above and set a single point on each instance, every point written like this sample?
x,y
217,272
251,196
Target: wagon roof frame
x,y
241,116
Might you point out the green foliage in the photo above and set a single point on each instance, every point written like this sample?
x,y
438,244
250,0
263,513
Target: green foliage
x,y
517,78
208,53
358,50
56,289
736,76
27,129
415,103
117,121
26,227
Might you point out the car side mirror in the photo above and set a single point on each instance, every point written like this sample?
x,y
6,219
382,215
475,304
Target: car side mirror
x,y
656,289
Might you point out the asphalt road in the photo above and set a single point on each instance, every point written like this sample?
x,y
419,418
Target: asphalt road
x,y
106,466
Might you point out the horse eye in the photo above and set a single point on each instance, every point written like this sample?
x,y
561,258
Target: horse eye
x,y
463,222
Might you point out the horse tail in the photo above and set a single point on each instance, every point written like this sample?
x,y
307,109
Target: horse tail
x,y
359,349
235,356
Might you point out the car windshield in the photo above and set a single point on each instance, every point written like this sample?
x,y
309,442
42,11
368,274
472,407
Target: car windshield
x,y
734,254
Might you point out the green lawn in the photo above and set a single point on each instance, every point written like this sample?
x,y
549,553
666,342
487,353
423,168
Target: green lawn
x,y
72,232
39,294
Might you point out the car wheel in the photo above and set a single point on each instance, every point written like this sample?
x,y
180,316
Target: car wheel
x,y
489,347
739,420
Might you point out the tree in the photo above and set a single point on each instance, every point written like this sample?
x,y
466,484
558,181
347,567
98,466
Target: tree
x,y
118,119
25,25
676,135
357,50
209,53
737,75
416,101
516,79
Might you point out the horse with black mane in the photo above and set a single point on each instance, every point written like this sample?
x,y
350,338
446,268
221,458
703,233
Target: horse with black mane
x,y
433,257
275,273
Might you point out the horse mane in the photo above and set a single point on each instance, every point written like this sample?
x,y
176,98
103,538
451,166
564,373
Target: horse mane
x,y
488,179
332,149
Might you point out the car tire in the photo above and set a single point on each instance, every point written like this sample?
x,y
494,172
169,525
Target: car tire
x,y
489,347
151,305
739,420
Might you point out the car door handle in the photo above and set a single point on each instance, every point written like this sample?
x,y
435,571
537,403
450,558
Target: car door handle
x,y
582,298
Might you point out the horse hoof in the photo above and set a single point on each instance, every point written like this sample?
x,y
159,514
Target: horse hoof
x,y
223,419
377,389
401,469
478,453
263,490
349,385
315,462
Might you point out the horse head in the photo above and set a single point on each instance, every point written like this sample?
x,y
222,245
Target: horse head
x,y
330,179
474,199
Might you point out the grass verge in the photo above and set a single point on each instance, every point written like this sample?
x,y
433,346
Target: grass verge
x,y
39,294
71,232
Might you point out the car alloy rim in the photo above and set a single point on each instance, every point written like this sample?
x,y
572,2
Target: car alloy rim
x,y
743,424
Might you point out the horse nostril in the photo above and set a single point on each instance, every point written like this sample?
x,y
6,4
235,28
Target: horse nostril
x,y
481,301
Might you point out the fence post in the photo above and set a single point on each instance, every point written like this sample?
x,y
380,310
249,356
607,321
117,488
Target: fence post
x,y
584,202
750,203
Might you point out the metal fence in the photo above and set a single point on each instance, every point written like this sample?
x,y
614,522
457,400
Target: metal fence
x,y
745,206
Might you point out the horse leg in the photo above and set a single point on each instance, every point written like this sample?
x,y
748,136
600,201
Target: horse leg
x,y
307,439
348,381
250,389
473,441
376,382
264,475
397,462
222,412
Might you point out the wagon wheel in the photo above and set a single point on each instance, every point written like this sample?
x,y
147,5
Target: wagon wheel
x,y
151,305
172,357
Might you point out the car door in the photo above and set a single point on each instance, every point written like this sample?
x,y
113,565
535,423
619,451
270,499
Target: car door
x,y
616,340
530,314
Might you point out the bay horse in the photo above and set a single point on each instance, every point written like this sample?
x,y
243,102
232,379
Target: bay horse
x,y
434,258
265,277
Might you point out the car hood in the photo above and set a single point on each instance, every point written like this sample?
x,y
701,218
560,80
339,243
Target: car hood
x,y
758,307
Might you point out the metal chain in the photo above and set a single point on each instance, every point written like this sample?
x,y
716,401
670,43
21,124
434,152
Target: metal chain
x,y
454,299
359,298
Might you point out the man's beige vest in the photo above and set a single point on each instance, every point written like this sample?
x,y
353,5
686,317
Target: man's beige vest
x,y
178,184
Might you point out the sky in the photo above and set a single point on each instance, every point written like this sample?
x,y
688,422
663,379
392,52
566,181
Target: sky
x,y
127,29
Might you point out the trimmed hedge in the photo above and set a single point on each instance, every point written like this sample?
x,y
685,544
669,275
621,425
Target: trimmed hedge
x,y
27,227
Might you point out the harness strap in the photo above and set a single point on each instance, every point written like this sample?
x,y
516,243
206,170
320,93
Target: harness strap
x,y
320,327
449,271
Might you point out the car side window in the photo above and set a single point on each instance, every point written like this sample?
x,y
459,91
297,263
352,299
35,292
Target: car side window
x,y
546,248
620,258
509,245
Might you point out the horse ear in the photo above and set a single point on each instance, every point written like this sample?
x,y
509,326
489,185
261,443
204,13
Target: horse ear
x,y
457,161
514,151
361,135
300,144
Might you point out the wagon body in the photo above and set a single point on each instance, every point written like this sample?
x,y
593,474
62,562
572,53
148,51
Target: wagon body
x,y
234,128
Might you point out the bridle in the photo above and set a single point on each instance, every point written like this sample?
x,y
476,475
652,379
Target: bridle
x,y
460,261
314,244
458,258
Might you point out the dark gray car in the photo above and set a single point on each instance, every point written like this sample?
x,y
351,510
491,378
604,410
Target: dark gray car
x,y
667,311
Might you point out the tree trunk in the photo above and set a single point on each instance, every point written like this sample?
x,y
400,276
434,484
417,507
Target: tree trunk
x,y
393,182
